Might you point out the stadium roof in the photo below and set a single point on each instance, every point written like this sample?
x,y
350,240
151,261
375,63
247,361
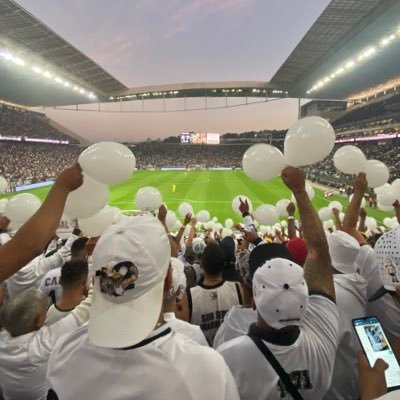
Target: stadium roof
x,y
345,28
30,35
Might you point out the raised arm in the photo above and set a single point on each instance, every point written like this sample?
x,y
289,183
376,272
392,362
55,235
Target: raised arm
x,y
338,222
291,208
396,206
33,236
181,231
360,185
318,270
363,217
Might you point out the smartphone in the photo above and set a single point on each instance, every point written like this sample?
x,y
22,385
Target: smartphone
x,y
375,345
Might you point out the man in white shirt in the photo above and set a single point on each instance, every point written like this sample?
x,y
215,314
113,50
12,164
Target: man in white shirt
x,y
297,317
32,274
50,285
74,282
351,299
210,300
176,293
127,343
25,344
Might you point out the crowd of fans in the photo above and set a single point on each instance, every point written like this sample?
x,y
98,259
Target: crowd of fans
x,y
143,313
17,122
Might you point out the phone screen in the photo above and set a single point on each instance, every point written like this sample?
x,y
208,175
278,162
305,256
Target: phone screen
x,y
375,345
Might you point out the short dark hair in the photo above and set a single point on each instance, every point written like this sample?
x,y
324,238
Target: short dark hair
x,y
73,272
78,246
213,259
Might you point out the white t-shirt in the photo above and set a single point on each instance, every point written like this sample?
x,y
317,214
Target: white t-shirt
x,y
351,299
192,331
50,285
54,314
209,304
32,274
307,354
236,323
167,365
23,360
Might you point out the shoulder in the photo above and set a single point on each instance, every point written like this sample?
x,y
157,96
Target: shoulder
x,y
235,345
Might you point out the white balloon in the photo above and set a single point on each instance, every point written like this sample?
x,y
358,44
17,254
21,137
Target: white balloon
x,y
21,207
229,223
3,184
262,162
209,225
281,207
148,198
215,219
263,229
350,160
236,203
184,209
308,141
385,208
177,226
363,202
96,224
328,225
87,200
325,214
108,162
217,227
170,219
335,204
377,173
199,225
387,222
386,197
378,189
395,223
396,188
203,216
341,216
371,223
3,203
266,214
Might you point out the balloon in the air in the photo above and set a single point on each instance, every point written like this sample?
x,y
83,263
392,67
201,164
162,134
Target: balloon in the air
x,y
325,214
170,219
281,207
386,197
96,224
236,204
385,208
108,162
148,198
308,141
87,200
377,173
203,216
262,162
335,204
350,160
21,207
184,209
266,214
363,202
229,223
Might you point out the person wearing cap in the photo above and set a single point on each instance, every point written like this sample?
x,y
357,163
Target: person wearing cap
x,y
26,344
198,246
351,298
127,351
176,296
239,318
50,285
33,236
210,300
297,318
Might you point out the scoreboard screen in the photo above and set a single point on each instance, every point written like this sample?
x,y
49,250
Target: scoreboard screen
x,y
200,138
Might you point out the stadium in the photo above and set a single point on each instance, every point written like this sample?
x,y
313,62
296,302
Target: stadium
x,y
344,71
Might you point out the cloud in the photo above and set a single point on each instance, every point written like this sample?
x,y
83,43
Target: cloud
x,y
197,11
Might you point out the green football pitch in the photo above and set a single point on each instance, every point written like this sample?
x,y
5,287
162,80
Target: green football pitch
x,y
209,190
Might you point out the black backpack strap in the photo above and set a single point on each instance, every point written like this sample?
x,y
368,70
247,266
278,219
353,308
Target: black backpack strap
x,y
285,378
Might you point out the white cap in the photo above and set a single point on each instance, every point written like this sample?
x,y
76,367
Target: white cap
x,y
131,260
344,250
178,278
198,246
280,293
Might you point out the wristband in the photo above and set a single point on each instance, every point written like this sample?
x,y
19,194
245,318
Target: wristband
x,y
245,214
290,217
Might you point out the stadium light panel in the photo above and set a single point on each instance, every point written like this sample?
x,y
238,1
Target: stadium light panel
x,y
350,64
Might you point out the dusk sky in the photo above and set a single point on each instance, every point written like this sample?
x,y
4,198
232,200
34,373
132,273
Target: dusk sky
x,y
147,42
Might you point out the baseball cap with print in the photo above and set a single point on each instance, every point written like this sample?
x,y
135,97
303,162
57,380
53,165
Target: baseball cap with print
x,y
280,293
387,252
198,246
131,261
